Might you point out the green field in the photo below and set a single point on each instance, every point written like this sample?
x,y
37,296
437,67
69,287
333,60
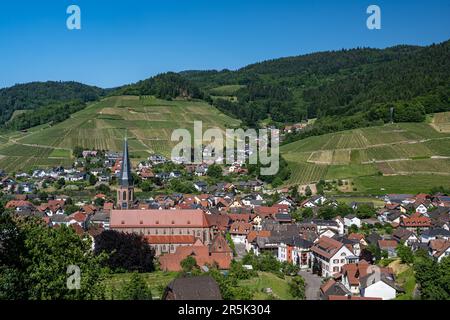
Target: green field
x,y
376,158
148,123
280,287
158,280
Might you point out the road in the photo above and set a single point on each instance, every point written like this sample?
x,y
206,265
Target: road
x,y
313,283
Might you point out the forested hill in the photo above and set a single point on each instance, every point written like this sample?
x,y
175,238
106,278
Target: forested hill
x,y
357,86
165,86
36,95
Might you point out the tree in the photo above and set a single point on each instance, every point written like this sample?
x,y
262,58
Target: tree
x,y
92,179
188,264
146,186
364,211
135,289
405,253
78,152
307,213
433,277
42,256
215,171
308,191
297,287
126,251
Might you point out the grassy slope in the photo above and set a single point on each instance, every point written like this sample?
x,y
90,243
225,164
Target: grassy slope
x,y
399,151
264,280
158,280
149,123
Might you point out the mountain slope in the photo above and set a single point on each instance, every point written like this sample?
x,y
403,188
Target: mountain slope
x,y
359,83
148,123
34,95
376,158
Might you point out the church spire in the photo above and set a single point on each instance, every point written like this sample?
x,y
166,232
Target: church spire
x,y
125,191
126,179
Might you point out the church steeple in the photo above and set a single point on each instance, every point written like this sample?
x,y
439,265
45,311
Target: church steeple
x,y
125,192
125,179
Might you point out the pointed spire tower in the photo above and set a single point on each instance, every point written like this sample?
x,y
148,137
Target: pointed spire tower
x,y
125,192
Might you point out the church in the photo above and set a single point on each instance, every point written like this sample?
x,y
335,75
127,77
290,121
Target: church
x,y
165,230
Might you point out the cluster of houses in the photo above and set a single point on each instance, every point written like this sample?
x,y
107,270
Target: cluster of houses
x,y
182,225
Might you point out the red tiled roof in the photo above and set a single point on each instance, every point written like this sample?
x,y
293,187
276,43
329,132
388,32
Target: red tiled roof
x,y
201,253
170,239
415,221
158,218
252,235
241,228
327,247
356,236
387,244
17,203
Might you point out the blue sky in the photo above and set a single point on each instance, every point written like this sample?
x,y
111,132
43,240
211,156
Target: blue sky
x,y
125,41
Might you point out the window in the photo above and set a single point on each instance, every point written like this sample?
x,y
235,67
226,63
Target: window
x,y
124,196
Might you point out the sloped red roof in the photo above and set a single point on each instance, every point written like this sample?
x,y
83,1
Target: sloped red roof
x,y
327,247
170,239
158,218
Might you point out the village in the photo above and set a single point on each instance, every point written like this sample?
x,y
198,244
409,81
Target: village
x,y
221,214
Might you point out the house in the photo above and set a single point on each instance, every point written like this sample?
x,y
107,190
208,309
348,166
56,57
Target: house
x,y
433,234
330,255
388,245
217,253
405,236
379,285
354,272
439,249
332,288
250,240
295,250
200,186
192,288
415,222
352,219
239,231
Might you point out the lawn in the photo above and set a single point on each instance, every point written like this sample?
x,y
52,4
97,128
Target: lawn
x,y
280,287
157,281
407,281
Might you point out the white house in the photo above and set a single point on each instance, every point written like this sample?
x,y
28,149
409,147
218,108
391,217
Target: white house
x,y
331,255
352,220
376,285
